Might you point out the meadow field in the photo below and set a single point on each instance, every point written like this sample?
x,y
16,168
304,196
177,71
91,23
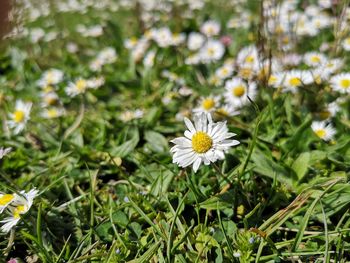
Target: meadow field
x,y
174,131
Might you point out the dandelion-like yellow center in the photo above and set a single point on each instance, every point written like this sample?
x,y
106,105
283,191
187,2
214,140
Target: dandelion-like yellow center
x,y
347,41
238,91
320,133
210,30
211,51
18,116
133,40
18,210
245,72
315,59
52,113
272,79
81,85
5,199
48,89
294,81
208,103
49,77
224,71
249,59
345,83
201,142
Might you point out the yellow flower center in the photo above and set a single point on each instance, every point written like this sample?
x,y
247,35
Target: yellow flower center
x,y
224,71
49,77
245,73
222,112
18,210
211,51
133,40
208,103
5,199
249,59
201,142
347,41
238,91
18,116
320,133
345,83
272,79
315,59
48,89
294,81
81,85
52,113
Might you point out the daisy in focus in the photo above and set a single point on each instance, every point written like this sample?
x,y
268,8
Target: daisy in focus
x,y
204,142
17,205
322,130
20,116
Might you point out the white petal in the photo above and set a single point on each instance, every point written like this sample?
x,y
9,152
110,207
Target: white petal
x,y
196,164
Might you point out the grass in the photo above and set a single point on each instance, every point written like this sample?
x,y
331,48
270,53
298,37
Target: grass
x,y
109,191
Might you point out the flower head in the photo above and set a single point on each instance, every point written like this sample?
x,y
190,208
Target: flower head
x,y
322,130
205,141
20,116
17,205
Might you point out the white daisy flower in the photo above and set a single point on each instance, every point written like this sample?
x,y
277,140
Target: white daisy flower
x,y
341,82
96,82
193,59
322,130
205,141
314,59
210,28
20,116
4,151
108,55
53,112
50,77
163,37
19,205
207,104
77,87
212,50
296,78
248,58
177,39
237,92
130,43
49,99
224,72
195,41
276,79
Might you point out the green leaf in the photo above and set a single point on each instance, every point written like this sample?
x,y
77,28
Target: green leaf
x,y
120,219
268,167
156,141
300,165
128,146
